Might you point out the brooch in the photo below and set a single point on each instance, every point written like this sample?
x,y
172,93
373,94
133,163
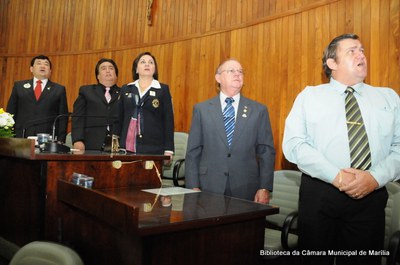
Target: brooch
x,y
155,103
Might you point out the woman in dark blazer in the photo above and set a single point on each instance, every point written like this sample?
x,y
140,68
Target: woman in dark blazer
x,y
146,113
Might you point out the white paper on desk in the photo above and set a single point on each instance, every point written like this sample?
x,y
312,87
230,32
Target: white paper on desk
x,y
170,191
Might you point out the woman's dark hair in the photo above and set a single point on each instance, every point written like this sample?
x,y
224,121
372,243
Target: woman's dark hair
x,y
135,75
330,51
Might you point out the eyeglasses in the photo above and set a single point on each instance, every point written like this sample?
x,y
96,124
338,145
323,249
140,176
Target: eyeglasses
x,y
233,71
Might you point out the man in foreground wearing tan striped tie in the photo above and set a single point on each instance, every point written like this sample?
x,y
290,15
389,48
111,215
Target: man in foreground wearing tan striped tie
x,y
345,138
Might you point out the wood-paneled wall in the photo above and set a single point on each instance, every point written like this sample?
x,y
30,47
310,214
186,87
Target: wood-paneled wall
x,y
279,43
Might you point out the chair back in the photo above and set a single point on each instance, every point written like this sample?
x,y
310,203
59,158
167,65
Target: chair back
x,y
392,211
45,253
180,141
285,195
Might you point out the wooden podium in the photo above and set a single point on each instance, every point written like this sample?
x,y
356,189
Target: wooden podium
x,y
116,222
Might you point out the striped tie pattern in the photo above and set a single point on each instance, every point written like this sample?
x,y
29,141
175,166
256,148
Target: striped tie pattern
x,y
229,119
358,140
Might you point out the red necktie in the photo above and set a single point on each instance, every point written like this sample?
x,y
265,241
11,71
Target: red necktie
x,y
38,89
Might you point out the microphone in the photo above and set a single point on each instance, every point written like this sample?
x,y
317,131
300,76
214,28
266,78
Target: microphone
x,y
108,122
53,146
36,122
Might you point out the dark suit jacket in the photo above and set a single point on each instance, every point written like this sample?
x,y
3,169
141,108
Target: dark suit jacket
x,y
157,115
248,164
92,114
34,116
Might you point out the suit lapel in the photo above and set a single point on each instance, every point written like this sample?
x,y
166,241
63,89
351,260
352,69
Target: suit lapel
x,y
115,95
215,112
100,93
242,117
29,88
46,90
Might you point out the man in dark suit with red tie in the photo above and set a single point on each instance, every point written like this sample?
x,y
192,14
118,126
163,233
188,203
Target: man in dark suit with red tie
x,y
35,103
96,109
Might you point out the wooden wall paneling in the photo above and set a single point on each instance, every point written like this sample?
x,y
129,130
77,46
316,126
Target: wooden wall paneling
x,y
3,88
333,20
3,26
341,17
385,36
185,14
315,47
289,76
304,50
166,23
311,67
279,43
321,40
127,22
193,82
206,87
195,14
178,27
394,44
374,44
178,76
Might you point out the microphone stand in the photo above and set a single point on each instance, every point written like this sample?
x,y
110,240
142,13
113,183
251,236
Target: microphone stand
x,y
53,146
36,122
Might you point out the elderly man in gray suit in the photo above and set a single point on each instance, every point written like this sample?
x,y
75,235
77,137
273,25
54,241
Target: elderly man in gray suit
x,y
230,148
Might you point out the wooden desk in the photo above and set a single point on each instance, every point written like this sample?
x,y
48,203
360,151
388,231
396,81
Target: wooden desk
x,y
111,226
29,209
108,224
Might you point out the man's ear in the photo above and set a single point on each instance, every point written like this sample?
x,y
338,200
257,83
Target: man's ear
x,y
331,63
218,78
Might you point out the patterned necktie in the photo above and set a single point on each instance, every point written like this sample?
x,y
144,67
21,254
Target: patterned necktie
x,y
38,89
358,140
107,94
229,119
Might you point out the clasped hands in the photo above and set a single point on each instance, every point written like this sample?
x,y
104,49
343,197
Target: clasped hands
x,y
355,183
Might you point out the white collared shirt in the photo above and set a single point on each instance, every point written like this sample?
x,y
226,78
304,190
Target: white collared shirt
x,y
44,82
154,84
